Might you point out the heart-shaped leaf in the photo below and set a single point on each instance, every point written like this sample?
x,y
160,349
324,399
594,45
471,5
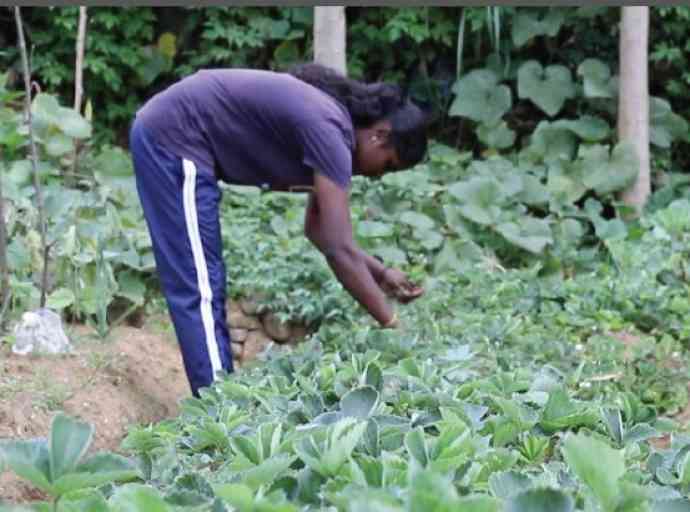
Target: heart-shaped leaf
x,y
531,234
588,128
480,199
597,79
480,98
548,88
529,23
497,136
605,174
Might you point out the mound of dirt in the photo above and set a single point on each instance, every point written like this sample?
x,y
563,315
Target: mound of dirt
x,y
133,377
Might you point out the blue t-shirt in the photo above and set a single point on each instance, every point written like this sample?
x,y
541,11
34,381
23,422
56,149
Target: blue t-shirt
x,y
254,127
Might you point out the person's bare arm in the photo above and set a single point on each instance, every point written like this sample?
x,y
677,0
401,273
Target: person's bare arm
x,y
329,228
376,268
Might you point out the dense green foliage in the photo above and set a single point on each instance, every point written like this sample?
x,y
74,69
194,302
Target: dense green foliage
x,y
501,391
135,51
546,358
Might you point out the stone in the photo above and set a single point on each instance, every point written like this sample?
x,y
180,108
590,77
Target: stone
x,y
40,331
238,335
256,343
299,332
238,320
237,351
279,331
250,305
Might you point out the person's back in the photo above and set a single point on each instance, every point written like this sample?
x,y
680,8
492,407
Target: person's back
x,y
311,127
253,127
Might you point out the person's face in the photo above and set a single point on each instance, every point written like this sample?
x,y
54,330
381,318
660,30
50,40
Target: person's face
x,y
375,155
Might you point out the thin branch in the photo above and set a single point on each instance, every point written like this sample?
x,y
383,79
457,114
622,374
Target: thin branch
x,y
34,153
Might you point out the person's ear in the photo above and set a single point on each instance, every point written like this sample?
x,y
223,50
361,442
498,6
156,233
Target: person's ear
x,y
381,135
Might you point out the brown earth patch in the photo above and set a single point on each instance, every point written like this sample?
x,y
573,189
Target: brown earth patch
x,y
133,377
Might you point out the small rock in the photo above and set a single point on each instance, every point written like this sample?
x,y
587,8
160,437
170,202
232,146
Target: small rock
x,y
238,320
299,333
238,335
237,351
279,331
250,306
256,343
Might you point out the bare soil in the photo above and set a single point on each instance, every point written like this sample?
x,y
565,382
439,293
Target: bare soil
x,y
135,376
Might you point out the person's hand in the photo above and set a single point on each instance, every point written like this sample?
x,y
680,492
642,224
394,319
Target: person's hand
x,y
396,284
393,323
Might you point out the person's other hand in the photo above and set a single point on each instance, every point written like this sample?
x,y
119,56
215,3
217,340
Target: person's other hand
x,y
396,284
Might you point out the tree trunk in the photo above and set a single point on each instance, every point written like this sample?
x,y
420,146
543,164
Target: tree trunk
x,y
4,270
34,154
79,79
329,37
633,98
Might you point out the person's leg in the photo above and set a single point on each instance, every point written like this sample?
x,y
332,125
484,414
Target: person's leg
x,y
181,207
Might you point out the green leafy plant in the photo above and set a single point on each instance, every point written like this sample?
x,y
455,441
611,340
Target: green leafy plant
x,y
58,465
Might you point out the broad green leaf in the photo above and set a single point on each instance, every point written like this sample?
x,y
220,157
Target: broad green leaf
x,y
417,220
131,287
360,402
429,238
95,471
58,144
416,446
597,79
548,88
374,229
390,255
551,142
506,484
266,472
533,191
239,496
588,128
597,464
477,504
564,182
480,199
373,376
562,413
245,446
665,125
529,23
73,124
673,505
60,299
137,498
480,98
530,233
29,460
497,136
88,500
606,174
431,491
69,440
541,500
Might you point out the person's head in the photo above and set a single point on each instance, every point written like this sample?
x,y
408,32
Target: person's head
x,y
390,129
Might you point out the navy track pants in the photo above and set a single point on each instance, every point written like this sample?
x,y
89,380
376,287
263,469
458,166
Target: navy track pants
x,y
181,206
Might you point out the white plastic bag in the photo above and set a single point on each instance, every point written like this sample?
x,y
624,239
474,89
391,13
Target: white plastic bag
x,y
40,331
